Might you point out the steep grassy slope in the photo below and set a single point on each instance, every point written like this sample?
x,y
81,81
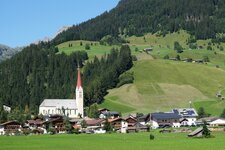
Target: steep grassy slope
x,y
161,85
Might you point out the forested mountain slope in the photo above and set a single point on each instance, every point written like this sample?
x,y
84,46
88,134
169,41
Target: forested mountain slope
x,y
202,18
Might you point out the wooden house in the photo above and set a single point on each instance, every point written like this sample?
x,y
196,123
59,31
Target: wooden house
x,y
119,124
10,127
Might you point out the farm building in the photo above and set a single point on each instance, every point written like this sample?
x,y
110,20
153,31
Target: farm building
x,y
189,116
211,121
163,120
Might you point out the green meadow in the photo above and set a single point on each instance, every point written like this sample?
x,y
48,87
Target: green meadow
x,y
159,84
132,141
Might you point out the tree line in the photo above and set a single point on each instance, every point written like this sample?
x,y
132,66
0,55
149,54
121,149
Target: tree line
x,y
201,18
40,72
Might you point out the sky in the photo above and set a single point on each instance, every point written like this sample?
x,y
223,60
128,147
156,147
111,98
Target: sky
x,y
26,21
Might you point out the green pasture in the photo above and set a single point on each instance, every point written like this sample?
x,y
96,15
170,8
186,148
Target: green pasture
x,y
132,141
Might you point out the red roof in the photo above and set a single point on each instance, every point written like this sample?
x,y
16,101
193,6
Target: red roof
x,y
37,121
78,78
93,122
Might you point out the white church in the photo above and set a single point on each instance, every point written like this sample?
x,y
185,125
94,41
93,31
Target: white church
x,y
73,108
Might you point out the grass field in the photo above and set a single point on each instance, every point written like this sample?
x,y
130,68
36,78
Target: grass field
x,y
134,141
212,107
160,85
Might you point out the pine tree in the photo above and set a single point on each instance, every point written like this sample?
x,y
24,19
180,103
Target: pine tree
x,y
206,133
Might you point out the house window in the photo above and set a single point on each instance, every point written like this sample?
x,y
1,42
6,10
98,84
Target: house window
x,y
52,111
49,111
43,111
70,111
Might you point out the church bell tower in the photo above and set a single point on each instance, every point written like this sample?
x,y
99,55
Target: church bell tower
x,y
79,95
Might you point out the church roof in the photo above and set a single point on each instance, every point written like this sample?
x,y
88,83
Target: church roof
x,y
59,103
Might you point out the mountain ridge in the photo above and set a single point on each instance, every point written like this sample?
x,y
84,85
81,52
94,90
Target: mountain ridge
x,y
7,52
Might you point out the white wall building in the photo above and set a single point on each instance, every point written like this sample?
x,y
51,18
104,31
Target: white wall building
x,y
189,114
72,108
7,108
124,126
218,122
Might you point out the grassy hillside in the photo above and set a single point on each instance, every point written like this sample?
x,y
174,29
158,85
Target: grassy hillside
x,y
161,46
95,48
161,85
133,141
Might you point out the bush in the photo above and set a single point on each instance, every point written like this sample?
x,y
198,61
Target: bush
x,y
52,130
206,59
166,57
134,58
178,47
113,40
136,49
87,47
209,47
178,57
193,46
26,132
76,131
151,137
125,78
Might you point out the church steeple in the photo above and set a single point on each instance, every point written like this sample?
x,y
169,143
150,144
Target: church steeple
x,y
79,85
79,95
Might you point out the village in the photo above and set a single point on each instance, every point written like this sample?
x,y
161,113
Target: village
x,y
58,116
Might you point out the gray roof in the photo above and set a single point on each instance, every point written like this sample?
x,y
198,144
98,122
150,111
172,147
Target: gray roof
x,y
59,103
162,115
186,112
110,113
207,119
195,132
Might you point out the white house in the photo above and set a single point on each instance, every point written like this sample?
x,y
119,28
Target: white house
x,y
164,119
7,108
212,121
218,122
154,124
2,130
189,116
72,108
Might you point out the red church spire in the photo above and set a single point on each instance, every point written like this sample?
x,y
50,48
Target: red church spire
x,y
78,78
